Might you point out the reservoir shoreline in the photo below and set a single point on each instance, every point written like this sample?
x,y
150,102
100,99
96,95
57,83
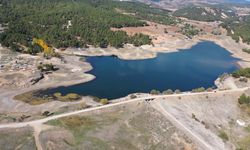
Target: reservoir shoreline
x,y
206,54
144,52
79,77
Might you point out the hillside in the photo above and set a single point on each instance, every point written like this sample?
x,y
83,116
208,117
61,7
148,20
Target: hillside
x,y
79,23
177,4
206,13
239,30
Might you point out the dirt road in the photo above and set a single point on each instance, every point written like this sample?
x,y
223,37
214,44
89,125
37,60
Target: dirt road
x,y
40,121
38,125
205,145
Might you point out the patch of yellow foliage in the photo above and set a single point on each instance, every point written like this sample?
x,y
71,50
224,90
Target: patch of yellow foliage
x,y
46,49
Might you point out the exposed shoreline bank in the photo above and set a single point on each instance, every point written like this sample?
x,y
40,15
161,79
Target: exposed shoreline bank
x,y
65,77
130,52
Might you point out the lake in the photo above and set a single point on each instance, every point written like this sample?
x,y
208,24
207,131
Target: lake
x,y
196,67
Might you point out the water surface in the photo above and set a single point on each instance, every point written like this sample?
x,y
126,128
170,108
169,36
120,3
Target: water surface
x,y
184,70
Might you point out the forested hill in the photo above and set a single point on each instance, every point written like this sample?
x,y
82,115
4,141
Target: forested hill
x,y
74,23
205,13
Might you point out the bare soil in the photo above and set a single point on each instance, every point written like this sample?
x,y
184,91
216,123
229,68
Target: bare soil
x,y
133,126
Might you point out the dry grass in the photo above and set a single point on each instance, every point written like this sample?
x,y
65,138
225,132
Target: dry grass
x,y
125,127
32,98
245,143
21,138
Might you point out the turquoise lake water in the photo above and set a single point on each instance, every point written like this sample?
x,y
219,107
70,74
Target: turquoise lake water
x,y
196,67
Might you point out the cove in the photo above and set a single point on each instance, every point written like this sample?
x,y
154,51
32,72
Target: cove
x,y
196,67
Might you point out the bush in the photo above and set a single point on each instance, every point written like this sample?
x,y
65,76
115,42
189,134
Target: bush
x,y
72,96
133,96
223,135
197,90
244,99
47,113
57,95
246,50
46,67
104,101
243,80
69,97
242,73
155,92
167,92
210,89
96,99
177,91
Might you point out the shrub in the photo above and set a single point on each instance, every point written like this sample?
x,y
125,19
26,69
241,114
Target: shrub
x,y
46,67
47,113
96,99
223,135
177,91
133,96
197,90
210,89
244,99
243,80
72,96
68,97
246,50
167,92
155,92
57,95
242,73
104,101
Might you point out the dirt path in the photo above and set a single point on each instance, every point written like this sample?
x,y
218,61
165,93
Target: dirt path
x,y
41,121
196,138
38,125
37,131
